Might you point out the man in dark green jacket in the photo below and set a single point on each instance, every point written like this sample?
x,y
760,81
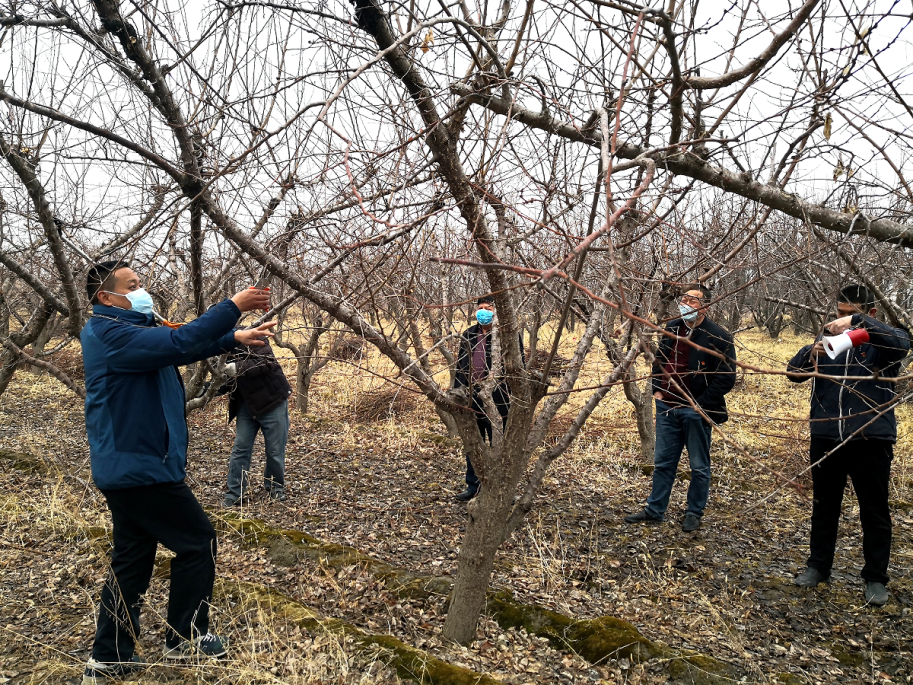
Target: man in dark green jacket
x,y
138,444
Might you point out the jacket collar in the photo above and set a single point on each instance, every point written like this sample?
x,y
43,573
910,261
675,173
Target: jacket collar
x,y
125,315
706,324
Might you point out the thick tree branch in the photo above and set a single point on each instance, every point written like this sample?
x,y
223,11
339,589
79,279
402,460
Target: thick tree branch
x,y
756,64
34,283
692,166
373,21
47,366
55,115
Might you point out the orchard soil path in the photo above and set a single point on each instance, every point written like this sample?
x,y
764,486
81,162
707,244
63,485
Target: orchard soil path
x,y
386,488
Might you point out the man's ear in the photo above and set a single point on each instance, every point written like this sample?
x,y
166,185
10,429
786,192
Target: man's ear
x,y
873,311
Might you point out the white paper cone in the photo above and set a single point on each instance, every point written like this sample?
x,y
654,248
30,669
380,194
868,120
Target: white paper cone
x,y
836,345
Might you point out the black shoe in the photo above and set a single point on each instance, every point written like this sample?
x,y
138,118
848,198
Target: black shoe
x,y
876,594
97,672
810,578
642,516
691,522
207,645
467,494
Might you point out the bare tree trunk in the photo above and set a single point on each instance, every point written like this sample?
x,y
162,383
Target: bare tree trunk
x,y
42,340
306,362
9,359
449,423
643,412
488,513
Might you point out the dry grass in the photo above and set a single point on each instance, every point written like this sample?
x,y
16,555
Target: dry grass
x,y
54,559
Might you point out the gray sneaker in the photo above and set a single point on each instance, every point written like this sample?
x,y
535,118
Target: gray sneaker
x,y
876,594
230,501
810,578
97,672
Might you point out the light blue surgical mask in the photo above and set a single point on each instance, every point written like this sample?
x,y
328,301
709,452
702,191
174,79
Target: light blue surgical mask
x,y
688,313
485,317
140,300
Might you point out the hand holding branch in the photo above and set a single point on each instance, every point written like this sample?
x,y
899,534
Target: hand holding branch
x,y
254,337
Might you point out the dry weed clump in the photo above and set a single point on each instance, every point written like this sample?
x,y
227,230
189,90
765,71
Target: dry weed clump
x,y
385,403
558,368
558,427
346,349
69,360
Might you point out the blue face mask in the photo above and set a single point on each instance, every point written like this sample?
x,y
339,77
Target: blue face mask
x,y
140,300
485,317
688,313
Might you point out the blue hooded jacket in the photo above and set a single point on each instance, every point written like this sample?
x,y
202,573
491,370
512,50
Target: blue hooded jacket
x,y
134,393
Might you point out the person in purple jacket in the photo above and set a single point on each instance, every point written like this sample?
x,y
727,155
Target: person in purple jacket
x,y
138,437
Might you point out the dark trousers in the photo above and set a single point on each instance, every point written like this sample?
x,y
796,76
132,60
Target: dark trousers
x,y
868,464
502,403
143,517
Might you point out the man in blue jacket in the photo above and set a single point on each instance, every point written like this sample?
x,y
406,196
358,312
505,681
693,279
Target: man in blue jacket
x,y
853,431
138,442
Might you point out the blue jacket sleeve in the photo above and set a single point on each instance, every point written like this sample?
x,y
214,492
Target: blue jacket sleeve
x,y
135,349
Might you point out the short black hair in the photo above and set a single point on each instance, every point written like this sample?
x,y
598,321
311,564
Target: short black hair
x,y
856,294
706,293
101,277
486,298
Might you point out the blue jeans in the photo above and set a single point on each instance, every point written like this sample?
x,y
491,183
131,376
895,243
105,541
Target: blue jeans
x,y
678,427
274,424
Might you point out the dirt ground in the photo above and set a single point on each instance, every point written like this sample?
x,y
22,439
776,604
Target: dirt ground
x,y
386,487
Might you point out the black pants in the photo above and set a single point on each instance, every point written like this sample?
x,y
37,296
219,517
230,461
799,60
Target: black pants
x,y
502,402
868,463
143,517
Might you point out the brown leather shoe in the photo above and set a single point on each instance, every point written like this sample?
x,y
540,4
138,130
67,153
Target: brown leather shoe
x,y
642,516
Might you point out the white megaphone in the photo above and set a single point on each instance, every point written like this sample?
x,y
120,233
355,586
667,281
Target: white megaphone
x,y
838,344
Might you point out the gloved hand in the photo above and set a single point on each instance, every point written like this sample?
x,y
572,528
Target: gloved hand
x,y
231,369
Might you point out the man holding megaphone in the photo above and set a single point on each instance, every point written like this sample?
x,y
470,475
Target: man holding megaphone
x,y
853,431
